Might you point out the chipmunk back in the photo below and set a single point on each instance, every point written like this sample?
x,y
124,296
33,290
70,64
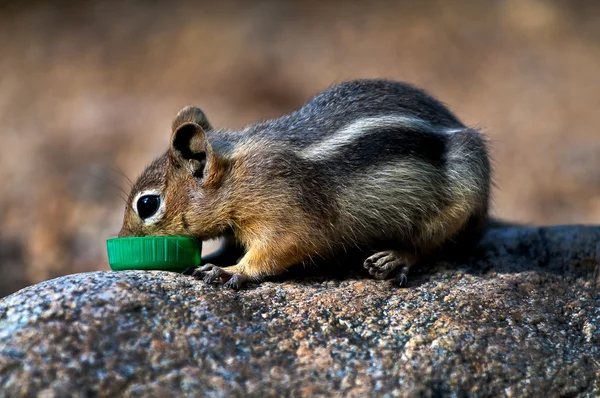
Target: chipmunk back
x,y
374,164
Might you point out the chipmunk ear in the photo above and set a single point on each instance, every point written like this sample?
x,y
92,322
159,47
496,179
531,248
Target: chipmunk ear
x,y
191,114
190,149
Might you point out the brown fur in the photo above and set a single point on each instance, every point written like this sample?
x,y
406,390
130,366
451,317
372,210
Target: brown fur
x,y
253,187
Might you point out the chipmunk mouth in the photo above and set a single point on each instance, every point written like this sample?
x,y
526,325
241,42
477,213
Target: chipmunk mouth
x,y
127,233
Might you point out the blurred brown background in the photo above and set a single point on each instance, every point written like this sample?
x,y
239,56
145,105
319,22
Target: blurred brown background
x,y
90,88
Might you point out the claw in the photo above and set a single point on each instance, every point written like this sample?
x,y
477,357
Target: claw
x,y
401,279
210,273
198,272
381,264
236,281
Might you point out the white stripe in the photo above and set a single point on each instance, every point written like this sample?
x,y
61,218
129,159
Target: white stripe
x,y
453,131
356,129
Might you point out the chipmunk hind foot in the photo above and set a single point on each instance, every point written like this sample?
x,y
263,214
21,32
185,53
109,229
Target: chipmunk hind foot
x,y
381,264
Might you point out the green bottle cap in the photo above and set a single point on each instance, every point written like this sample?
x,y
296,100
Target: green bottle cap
x,y
167,253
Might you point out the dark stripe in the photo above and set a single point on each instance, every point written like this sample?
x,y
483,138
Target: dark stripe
x,y
384,145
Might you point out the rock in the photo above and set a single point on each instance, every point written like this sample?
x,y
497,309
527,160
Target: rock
x,y
521,319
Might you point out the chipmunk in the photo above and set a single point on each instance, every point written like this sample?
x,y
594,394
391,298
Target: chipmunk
x,y
375,164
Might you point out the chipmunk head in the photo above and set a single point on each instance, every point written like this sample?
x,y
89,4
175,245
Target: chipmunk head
x,y
181,192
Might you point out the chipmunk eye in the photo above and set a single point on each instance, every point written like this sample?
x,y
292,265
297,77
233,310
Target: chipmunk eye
x,y
147,206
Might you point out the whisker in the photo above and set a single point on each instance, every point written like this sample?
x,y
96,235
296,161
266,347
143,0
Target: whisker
x,y
110,183
118,170
189,234
124,200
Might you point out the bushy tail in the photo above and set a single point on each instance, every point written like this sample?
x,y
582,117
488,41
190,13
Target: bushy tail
x,y
469,167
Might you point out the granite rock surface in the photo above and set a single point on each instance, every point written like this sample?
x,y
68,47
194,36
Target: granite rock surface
x,y
520,318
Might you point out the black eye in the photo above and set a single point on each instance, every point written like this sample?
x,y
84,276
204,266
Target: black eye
x,y
147,206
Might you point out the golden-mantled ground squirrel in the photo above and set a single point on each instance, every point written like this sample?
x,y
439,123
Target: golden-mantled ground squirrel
x,y
374,164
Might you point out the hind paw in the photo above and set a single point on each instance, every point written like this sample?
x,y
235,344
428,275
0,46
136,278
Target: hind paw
x,y
381,264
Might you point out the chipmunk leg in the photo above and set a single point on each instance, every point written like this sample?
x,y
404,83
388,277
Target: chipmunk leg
x,y
254,266
381,264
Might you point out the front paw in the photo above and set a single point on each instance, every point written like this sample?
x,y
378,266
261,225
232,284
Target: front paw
x,y
209,273
227,277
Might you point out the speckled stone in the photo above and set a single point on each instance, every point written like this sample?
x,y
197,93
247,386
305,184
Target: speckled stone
x,y
521,319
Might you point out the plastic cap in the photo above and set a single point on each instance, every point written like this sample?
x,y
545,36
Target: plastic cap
x,y
167,253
